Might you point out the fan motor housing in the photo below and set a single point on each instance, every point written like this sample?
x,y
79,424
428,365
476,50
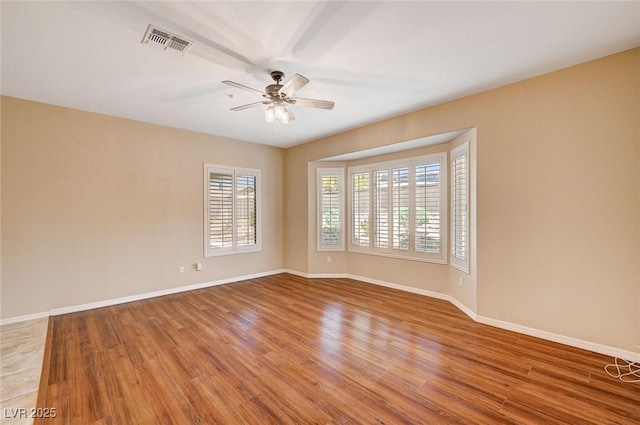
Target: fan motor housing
x,y
273,90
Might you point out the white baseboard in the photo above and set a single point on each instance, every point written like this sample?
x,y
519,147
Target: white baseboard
x,y
329,276
137,297
562,339
24,318
404,288
169,291
438,295
317,275
466,310
549,336
296,273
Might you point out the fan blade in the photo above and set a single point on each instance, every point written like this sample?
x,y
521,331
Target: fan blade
x,y
243,87
294,84
250,105
313,103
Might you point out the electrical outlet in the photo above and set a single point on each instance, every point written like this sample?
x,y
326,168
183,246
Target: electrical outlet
x,y
198,267
459,281
328,259
181,269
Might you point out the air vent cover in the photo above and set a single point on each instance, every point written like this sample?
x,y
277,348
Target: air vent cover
x,y
166,40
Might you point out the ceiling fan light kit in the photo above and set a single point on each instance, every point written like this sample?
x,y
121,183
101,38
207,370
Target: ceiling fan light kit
x,y
279,113
279,95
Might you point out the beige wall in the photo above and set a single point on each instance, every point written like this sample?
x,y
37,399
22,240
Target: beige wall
x,y
295,211
558,199
96,207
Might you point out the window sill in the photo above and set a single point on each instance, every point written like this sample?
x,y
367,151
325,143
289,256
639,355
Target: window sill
x,y
238,251
330,249
420,258
464,269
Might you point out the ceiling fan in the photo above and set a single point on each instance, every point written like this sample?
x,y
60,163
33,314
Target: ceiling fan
x,y
278,96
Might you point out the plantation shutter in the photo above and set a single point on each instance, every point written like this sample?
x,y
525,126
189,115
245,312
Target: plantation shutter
x,y
360,209
400,208
460,206
220,210
246,210
330,210
231,210
427,195
381,209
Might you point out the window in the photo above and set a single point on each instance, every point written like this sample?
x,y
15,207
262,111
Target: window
x,y
398,208
428,207
330,209
232,210
360,209
460,207
381,209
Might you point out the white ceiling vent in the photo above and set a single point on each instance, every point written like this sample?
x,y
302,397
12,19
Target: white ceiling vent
x,y
166,40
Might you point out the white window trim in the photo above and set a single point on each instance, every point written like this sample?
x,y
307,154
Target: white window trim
x,y
438,258
332,171
456,262
234,249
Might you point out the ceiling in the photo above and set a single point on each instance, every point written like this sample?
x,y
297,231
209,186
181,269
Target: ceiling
x,y
374,59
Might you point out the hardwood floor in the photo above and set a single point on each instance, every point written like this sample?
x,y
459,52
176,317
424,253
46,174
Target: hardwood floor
x,y
288,350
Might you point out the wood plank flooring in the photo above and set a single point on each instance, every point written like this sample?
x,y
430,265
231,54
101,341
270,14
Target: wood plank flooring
x,y
288,350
